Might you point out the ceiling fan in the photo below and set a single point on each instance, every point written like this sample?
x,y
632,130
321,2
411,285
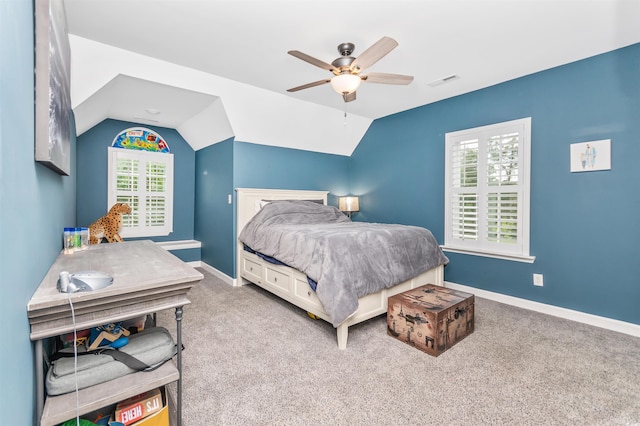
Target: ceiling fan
x,y
348,71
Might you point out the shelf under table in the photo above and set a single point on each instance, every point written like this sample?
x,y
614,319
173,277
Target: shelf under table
x,y
58,409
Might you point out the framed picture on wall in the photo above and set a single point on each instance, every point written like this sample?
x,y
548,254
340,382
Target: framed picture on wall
x,y
53,112
591,156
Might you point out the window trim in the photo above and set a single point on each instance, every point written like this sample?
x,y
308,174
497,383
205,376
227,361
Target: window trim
x,y
142,230
494,255
524,171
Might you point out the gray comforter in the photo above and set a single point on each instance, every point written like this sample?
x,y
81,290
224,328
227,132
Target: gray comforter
x,y
346,259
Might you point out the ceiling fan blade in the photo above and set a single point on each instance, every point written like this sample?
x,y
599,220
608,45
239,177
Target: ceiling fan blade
x,y
308,85
378,77
374,53
311,60
349,97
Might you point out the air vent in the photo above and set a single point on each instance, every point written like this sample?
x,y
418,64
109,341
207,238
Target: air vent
x,y
443,80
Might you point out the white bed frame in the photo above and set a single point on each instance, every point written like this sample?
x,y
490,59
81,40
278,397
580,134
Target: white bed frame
x,y
291,284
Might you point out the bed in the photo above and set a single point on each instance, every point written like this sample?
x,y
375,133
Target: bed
x,y
293,285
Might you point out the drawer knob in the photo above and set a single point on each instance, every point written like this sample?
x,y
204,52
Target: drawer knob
x,y
251,268
275,279
309,293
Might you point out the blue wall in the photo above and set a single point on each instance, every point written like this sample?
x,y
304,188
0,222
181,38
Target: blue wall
x,y
214,216
92,176
396,168
35,205
584,226
262,166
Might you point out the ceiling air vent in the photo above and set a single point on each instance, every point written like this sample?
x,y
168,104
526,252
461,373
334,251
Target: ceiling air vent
x,y
443,80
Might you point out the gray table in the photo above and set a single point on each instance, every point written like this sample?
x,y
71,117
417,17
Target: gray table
x,y
146,279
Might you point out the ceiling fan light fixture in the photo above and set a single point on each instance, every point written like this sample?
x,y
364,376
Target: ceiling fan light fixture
x,y
345,83
346,70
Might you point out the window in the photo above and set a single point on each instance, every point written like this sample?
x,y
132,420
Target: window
x,y
143,180
487,190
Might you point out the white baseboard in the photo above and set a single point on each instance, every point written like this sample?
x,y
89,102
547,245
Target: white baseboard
x,y
597,321
219,274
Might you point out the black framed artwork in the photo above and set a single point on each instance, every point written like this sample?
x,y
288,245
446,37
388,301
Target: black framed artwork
x,y
53,112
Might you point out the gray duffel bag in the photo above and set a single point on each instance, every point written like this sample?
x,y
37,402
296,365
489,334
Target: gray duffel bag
x,y
146,350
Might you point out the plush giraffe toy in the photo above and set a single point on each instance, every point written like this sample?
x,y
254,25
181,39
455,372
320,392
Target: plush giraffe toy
x,y
109,225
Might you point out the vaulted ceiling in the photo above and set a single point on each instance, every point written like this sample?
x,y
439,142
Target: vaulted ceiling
x,y
228,59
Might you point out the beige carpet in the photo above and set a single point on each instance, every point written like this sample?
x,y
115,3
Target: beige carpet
x,y
253,359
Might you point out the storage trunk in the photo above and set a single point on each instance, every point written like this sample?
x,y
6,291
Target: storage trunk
x,y
430,318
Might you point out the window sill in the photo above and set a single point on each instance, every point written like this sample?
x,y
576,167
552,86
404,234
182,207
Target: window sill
x,y
503,256
131,232
179,245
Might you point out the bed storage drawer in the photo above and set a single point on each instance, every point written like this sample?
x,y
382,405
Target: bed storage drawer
x,y
276,279
252,268
303,292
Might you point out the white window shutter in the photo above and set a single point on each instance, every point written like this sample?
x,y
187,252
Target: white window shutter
x,y
143,180
487,189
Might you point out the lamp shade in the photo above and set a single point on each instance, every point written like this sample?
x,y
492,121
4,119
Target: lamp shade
x,y
348,204
345,83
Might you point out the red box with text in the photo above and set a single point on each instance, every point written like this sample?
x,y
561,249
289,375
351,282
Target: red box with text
x,y
139,407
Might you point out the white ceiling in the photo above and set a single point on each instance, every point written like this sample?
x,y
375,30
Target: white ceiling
x,y
483,42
